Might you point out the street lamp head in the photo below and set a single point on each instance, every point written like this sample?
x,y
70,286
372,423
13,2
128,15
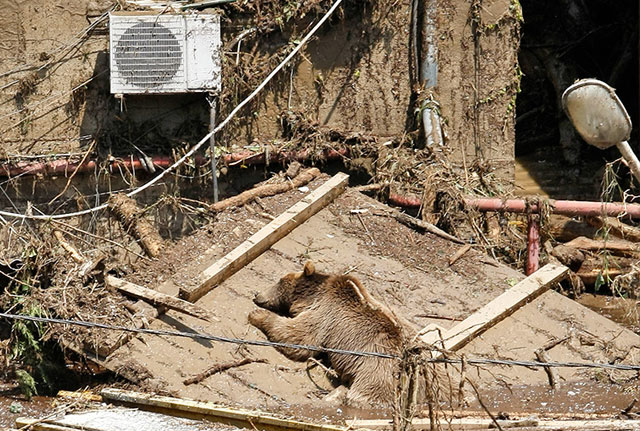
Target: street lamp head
x,y
596,112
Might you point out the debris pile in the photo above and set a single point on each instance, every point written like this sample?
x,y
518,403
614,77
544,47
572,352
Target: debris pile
x,y
348,272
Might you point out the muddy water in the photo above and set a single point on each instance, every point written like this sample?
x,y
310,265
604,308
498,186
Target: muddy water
x,y
626,312
568,398
544,174
15,406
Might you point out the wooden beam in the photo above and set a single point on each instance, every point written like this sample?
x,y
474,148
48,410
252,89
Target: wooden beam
x,y
33,424
613,245
156,298
498,309
259,242
249,419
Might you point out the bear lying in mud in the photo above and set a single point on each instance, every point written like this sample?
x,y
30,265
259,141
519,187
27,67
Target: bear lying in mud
x,y
335,311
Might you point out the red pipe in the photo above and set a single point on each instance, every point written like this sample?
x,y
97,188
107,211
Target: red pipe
x,y
404,201
253,158
66,166
533,244
571,208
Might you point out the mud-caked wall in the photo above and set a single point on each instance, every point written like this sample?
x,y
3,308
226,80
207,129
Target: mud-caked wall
x,y
353,77
479,80
54,87
44,56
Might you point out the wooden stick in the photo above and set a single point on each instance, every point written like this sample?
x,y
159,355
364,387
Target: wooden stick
x,y
157,298
213,412
498,309
421,224
75,254
218,368
542,356
301,179
259,242
414,222
458,254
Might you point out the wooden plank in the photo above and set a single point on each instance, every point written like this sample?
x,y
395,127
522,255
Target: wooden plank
x,y
157,298
266,237
250,419
501,307
613,245
37,425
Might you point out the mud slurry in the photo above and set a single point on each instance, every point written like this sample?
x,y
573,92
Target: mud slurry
x,y
14,406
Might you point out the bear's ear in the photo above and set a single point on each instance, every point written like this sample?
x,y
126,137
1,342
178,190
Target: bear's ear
x,y
309,269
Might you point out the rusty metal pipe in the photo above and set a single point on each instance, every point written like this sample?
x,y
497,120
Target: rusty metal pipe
x,y
570,208
404,201
533,244
67,166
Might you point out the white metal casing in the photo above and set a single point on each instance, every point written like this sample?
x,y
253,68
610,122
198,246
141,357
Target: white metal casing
x,y
156,54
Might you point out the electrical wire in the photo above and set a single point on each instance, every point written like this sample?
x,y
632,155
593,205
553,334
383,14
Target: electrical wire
x,y
320,349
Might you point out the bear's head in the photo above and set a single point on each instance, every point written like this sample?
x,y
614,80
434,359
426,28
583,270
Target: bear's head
x,y
293,292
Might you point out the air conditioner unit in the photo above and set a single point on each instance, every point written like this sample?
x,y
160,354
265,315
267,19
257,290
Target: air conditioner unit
x,y
156,54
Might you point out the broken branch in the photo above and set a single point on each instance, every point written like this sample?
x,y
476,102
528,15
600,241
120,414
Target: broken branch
x,y
542,356
220,368
75,254
458,254
243,198
414,222
131,218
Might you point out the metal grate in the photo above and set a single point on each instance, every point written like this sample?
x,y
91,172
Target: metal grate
x,y
164,54
148,55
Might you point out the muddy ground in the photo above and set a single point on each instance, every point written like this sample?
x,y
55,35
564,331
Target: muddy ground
x,y
407,270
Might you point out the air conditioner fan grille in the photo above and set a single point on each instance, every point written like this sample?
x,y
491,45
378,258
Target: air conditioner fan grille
x,y
148,55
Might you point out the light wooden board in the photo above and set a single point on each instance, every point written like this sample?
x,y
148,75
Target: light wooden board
x,y
158,298
496,310
266,237
36,425
251,419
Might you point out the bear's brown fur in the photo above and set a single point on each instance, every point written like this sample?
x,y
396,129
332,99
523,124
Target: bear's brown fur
x,y
335,311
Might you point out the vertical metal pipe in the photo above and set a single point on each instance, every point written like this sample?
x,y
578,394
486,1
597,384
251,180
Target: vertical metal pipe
x,y
212,144
429,66
533,244
429,72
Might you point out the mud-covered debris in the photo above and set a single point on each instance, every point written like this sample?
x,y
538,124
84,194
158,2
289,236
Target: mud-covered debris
x,y
130,217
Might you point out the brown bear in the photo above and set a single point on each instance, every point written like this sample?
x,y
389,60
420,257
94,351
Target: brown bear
x,y
335,311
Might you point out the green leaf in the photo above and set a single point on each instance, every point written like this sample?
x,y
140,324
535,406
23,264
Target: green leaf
x,y
599,282
27,384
